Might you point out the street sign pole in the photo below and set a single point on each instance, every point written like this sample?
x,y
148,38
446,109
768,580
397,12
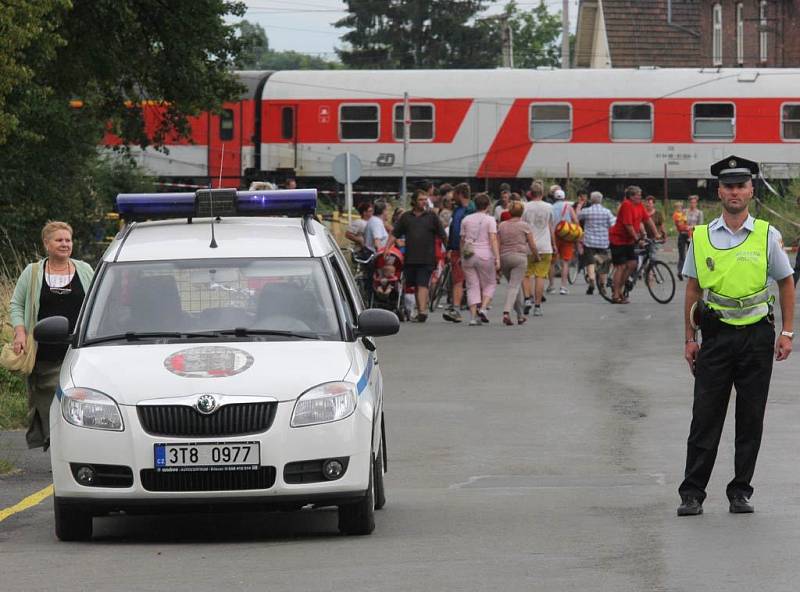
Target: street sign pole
x,y
348,189
403,184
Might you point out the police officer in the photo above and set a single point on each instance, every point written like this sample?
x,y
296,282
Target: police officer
x,y
732,258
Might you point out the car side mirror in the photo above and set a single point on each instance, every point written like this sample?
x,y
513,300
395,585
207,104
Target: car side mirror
x,y
52,330
376,322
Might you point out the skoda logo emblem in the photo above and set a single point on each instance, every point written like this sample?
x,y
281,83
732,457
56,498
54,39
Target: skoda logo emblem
x,y
206,404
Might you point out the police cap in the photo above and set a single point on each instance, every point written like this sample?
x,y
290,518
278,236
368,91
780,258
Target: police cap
x,y
734,169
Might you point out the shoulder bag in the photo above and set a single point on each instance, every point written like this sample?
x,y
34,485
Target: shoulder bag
x,y
22,362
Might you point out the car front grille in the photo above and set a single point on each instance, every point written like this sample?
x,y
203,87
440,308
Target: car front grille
x,y
229,420
261,478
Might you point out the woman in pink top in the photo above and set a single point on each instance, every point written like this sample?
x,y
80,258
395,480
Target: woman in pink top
x,y
516,241
479,236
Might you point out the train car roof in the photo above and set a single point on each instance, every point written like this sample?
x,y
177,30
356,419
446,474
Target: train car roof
x,y
549,84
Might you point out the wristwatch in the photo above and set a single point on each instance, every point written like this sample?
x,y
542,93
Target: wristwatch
x,y
789,334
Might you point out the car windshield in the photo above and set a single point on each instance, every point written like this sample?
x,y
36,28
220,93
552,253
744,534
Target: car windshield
x,y
260,298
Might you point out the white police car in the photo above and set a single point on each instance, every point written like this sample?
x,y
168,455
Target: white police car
x,y
223,361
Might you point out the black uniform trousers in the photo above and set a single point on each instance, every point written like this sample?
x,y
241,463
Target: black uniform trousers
x,y
741,358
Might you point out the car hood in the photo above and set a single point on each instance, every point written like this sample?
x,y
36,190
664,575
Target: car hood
x,y
284,370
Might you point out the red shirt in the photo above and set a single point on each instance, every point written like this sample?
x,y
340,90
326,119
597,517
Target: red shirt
x,y
629,214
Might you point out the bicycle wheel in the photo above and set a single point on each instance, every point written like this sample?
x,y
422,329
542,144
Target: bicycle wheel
x,y
605,289
660,281
442,289
572,270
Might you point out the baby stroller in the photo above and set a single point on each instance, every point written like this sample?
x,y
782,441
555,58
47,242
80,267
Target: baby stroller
x,y
387,283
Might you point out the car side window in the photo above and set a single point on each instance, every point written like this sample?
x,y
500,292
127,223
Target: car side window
x,y
341,285
348,277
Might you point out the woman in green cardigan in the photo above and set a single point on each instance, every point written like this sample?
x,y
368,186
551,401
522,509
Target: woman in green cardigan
x,y
59,284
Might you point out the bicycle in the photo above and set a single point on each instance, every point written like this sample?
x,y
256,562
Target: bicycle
x,y
442,287
657,277
362,260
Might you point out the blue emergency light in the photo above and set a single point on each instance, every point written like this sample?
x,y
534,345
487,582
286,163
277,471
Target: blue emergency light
x,y
217,202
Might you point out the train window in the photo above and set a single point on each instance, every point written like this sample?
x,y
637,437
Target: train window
x,y
287,123
713,121
632,122
551,122
226,125
421,126
790,120
359,122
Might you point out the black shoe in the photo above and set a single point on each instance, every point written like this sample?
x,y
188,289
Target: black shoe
x,y
741,505
690,506
526,310
590,289
680,276
544,298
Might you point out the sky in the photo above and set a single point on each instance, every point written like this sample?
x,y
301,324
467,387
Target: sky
x,y
307,25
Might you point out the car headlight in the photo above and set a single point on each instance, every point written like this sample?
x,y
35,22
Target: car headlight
x,y
325,403
87,408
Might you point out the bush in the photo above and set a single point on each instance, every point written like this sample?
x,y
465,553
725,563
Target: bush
x,y
13,401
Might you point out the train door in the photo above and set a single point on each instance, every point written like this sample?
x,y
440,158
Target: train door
x,y
287,154
225,146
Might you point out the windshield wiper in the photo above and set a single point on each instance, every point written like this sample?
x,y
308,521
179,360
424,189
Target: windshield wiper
x,y
136,336
243,332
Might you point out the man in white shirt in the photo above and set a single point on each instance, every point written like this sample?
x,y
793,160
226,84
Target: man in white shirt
x,y
539,216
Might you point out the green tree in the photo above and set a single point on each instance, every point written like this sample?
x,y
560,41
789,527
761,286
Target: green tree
x,y
111,54
394,34
257,55
536,36
26,33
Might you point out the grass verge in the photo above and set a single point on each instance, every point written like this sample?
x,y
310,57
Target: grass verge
x,y
13,401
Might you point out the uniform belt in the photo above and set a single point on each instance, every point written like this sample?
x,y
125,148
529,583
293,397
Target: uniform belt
x,y
745,302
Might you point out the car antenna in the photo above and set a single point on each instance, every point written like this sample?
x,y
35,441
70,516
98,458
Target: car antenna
x,y
213,244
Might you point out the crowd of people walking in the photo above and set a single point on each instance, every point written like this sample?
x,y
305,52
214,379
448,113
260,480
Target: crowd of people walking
x,y
529,238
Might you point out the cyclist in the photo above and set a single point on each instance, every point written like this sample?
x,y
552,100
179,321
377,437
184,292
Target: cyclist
x,y
624,235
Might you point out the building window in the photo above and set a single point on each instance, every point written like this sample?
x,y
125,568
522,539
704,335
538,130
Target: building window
x,y
551,122
632,122
287,123
763,35
421,124
740,33
359,122
790,122
226,125
716,43
714,121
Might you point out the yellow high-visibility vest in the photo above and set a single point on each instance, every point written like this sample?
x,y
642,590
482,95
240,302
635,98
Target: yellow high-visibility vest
x,y
736,278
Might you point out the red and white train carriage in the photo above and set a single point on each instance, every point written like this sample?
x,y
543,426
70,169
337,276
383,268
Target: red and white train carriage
x,y
495,124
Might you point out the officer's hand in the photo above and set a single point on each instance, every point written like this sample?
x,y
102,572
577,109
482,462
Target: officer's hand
x,y
690,354
783,347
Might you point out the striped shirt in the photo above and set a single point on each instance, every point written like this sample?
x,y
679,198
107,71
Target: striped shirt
x,y
596,222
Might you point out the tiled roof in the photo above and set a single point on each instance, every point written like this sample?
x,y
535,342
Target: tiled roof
x,y
639,35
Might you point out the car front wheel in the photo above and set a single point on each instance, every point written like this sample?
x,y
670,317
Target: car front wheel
x,y
359,518
72,523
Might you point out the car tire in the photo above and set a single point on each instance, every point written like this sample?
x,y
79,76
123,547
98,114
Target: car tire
x,y
380,490
72,522
359,518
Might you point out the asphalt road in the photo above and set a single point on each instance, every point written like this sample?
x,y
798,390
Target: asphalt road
x,y
543,457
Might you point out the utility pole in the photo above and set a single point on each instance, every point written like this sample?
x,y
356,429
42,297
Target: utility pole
x,y
507,37
565,34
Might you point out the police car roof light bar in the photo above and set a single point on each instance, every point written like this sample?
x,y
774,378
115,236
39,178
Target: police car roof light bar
x,y
154,206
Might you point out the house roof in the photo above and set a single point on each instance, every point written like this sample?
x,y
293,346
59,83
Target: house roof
x,y
638,33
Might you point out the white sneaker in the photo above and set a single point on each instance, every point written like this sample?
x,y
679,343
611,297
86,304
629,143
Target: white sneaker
x,y
475,323
563,291
537,311
550,290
